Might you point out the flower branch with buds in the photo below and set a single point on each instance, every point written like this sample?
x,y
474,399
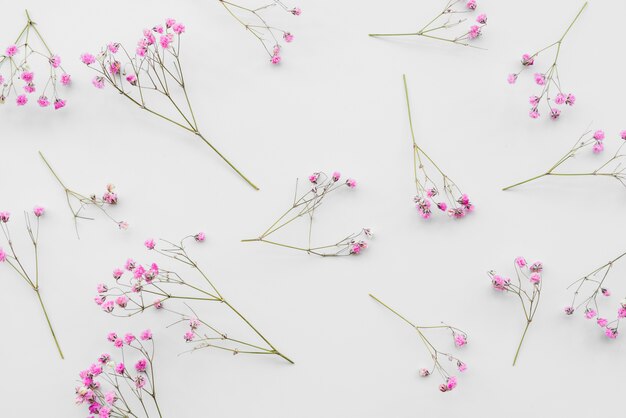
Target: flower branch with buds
x,y
140,287
253,20
153,73
548,80
611,168
458,336
112,389
305,207
19,77
447,20
15,262
529,298
442,191
78,202
595,286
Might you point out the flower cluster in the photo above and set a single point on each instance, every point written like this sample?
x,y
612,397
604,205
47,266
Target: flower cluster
x,y
447,20
17,73
78,202
113,389
548,80
595,284
253,20
529,298
431,192
152,74
17,264
459,338
142,287
611,168
321,185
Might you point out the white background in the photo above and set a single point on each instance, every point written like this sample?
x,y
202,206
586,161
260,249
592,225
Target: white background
x,y
336,102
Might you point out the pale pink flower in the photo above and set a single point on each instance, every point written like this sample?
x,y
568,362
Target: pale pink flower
x,y
424,372
533,100
66,79
535,278
200,237
150,244
442,206
314,177
534,113
21,100
140,381
129,338
288,37
590,313
43,101
520,261
59,104
460,340
123,225
471,4
296,11
98,82
621,312
559,99
351,183
527,60
27,76
568,310
611,333
110,397
38,211
605,291
554,114
145,335
474,32
602,322
461,366
3,256
275,59
189,336
117,273
132,79
102,288
169,22
108,306
622,135
11,50
5,216
451,382
598,135
536,267
121,301
158,304
178,28
512,78
482,18
120,368
87,58
570,100
540,79
500,283
141,364
337,174
111,336
113,47
598,147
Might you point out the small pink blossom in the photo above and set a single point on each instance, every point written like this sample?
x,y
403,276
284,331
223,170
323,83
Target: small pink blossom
x,y
102,288
59,104
520,261
169,22
590,313
602,322
288,37
150,244
108,306
145,335
535,278
570,100
512,78
528,60
451,382
351,183
474,32
621,312
140,382
554,114
66,79
189,336
113,47
533,100
482,18
158,304
500,283
5,216
605,291
38,211
21,100
111,336
129,338
140,366
471,4
568,310
598,135
130,264
622,135
337,175
598,147
534,113
132,79
11,51
98,82
3,256
296,11
536,267
87,58
275,59
200,237
460,340
123,225
314,177
540,79
121,301
120,368
27,76
560,99
178,28
461,366
424,372
611,333
442,206
43,101
117,273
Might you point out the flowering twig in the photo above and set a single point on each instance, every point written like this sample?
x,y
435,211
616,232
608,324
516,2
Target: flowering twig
x,y
459,337
111,390
548,79
254,22
611,168
445,20
153,72
17,60
596,283
16,264
426,188
529,299
129,296
305,207
81,201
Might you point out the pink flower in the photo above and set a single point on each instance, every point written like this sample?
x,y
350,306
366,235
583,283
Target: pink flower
x,y
189,336
605,291
559,99
110,397
140,381
145,335
520,261
150,244
115,67
570,100
3,256
140,366
442,206
122,301
38,211
611,333
27,76
87,58
104,358
590,313
275,59
132,79
129,338
355,249
451,382
99,300
43,101
602,322
169,22
512,78
533,100
5,216
98,82
66,79
314,177
540,79
471,4
474,32
351,183
461,366
200,237
460,340
158,304
621,312
178,28
59,104
337,174
11,50
288,37
500,283
165,41
535,278
194,323
102,288
21,100
117,273
482,18
568,310
113,47
296,11
622,135
598,147
534,113
130,264
139,271
527,60
536,267
443,387
120,368
424,372
112,336
123,225
598,135
29,88
108,306
554,114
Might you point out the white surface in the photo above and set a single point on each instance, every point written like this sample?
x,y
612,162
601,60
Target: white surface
x,y
336,102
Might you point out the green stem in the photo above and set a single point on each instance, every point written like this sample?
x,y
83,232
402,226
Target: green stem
x,y
520,343
43,307
394,311
227,162
573,21
526,181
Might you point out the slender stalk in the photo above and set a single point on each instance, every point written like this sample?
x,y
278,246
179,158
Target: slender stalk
x,y
393,310
519,346
45,312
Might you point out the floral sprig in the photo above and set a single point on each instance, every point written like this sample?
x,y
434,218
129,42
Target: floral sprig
x,y
442,191
595,283
78,202
10,258
458,336
111,388
253,21
19,78
153,73
548,79
139,288
305,206
529,298
446,20
611,168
